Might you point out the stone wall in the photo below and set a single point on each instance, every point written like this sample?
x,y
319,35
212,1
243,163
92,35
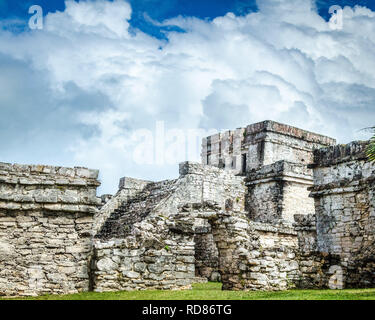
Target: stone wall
x,y
135,248
315,267
264,256
279,191
345,215
335,247
153,257
46,217
210,184
274,264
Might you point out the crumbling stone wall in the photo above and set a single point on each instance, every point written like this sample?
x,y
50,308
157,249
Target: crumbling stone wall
x,y
209,184
265,252
46,217
315,267
154,257
345,215
149,215
275,265
255,256
251,256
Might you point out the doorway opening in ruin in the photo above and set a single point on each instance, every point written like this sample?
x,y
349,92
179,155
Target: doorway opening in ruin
x,y
206,254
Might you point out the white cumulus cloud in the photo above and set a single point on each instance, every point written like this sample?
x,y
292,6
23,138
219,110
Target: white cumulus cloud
x,y
83,90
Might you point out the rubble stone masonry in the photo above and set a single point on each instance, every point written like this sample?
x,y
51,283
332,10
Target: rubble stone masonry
x,y
46,226
344,185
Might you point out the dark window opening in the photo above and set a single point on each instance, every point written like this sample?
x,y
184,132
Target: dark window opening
x,y
243,164
221,164
234,164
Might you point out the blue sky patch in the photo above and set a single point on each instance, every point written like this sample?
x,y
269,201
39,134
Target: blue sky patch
x,y
159,10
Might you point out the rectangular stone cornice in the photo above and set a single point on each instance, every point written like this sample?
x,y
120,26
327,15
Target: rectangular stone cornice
x,y
132,183
47,175
272,126
341,186
57,207
189,167
333,155
281,170
273,228
48,188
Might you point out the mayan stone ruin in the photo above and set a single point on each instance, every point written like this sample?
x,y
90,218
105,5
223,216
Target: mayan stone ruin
x,y
271,207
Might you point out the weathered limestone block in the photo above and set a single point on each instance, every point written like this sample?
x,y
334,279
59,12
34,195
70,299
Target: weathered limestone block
x,y
305,225
46,216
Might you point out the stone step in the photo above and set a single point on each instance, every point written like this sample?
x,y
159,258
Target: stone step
x,y
121,221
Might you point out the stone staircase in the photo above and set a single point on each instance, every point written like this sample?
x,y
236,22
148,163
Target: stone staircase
x,y
120,222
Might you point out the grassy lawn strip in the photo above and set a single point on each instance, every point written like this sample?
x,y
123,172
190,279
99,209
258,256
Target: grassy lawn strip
x,y
212,291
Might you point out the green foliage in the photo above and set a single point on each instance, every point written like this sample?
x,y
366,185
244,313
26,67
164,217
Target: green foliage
x,y
212,291
371,148
167,248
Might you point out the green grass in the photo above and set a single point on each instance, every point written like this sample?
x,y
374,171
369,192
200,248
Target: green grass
x,y
212,291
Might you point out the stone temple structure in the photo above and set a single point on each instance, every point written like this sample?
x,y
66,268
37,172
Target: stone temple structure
x,y
271,207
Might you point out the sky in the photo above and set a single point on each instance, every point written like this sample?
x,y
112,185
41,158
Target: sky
x,y
130,87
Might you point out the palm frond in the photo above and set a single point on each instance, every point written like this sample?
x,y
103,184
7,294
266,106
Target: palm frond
x,y
371,148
